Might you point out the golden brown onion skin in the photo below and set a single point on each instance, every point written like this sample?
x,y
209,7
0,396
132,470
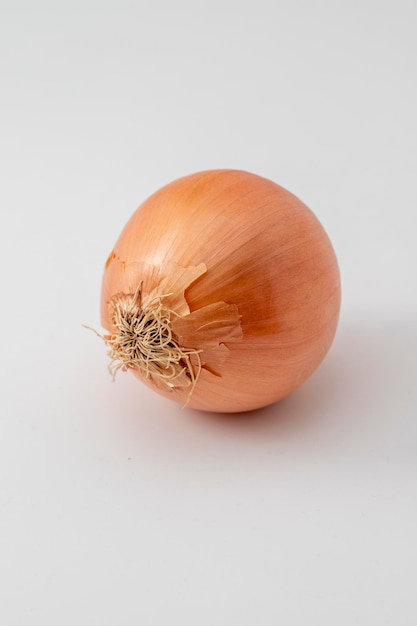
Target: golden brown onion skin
x,y
265,252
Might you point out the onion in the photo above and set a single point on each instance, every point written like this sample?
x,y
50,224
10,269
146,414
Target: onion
x,y
222,292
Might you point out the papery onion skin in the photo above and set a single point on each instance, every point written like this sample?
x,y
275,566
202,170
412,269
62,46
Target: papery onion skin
x,y
265,254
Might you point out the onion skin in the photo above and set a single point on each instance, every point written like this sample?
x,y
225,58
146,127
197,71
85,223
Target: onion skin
x,y
266,255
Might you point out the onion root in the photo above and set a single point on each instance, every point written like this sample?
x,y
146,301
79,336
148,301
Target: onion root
x,y
143,340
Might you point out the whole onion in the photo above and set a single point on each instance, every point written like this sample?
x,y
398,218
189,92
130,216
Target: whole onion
x,y
222,292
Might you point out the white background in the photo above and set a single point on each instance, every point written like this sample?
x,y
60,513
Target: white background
x,y
116,506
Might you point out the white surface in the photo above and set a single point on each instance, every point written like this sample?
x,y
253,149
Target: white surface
x,y
116,506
